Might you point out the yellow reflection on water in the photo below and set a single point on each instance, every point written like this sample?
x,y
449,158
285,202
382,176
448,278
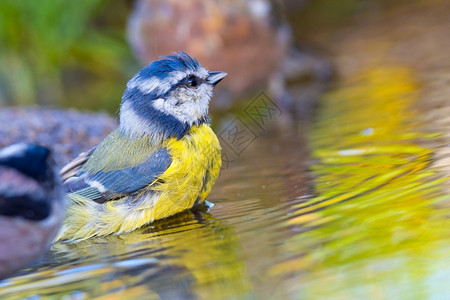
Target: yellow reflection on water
x,y
373,231
177,258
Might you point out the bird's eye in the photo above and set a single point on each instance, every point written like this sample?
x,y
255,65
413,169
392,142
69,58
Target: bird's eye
x,y
192,81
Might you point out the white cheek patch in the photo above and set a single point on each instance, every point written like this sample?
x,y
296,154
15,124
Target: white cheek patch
x,y
168,106
187,107
202,104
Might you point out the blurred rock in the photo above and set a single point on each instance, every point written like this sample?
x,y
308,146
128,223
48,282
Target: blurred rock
x,y
66,132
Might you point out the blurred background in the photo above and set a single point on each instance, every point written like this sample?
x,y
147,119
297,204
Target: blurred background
x,y
64,54
81,54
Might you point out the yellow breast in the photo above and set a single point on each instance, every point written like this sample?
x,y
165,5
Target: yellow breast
x,y
195,167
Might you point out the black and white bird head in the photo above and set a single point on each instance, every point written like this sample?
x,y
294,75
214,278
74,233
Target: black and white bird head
x,y
30,184
33,161
167,97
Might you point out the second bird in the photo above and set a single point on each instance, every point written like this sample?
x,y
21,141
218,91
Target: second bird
x,y
162,159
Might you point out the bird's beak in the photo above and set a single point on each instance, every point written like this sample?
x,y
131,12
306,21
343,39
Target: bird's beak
x,y
215,77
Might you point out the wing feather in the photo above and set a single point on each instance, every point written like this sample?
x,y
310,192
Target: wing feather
x,y
104,186
73,168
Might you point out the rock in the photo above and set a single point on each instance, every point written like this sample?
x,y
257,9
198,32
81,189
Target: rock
x,y
66,132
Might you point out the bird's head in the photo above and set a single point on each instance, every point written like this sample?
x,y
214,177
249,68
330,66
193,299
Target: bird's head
x,y
31,160
167,97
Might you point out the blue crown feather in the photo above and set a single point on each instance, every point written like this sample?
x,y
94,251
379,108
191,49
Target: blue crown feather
x,y
179,61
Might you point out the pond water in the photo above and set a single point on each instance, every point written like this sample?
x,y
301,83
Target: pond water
x,y
357,207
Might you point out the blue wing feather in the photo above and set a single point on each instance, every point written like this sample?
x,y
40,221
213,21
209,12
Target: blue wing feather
x,y
119,182
133,179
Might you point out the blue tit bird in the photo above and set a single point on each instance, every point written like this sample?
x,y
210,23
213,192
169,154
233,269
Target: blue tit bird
x,y
31,205
162,159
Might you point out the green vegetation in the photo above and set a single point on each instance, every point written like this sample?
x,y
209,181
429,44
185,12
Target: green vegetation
x,y
69,53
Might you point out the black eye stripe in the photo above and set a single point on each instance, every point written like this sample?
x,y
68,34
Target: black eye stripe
x,y
191,81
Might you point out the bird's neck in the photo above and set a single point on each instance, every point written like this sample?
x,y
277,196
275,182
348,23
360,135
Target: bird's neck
x,y
156,127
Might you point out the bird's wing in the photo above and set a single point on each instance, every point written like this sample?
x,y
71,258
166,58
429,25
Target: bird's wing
x,y
73,168
103,186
